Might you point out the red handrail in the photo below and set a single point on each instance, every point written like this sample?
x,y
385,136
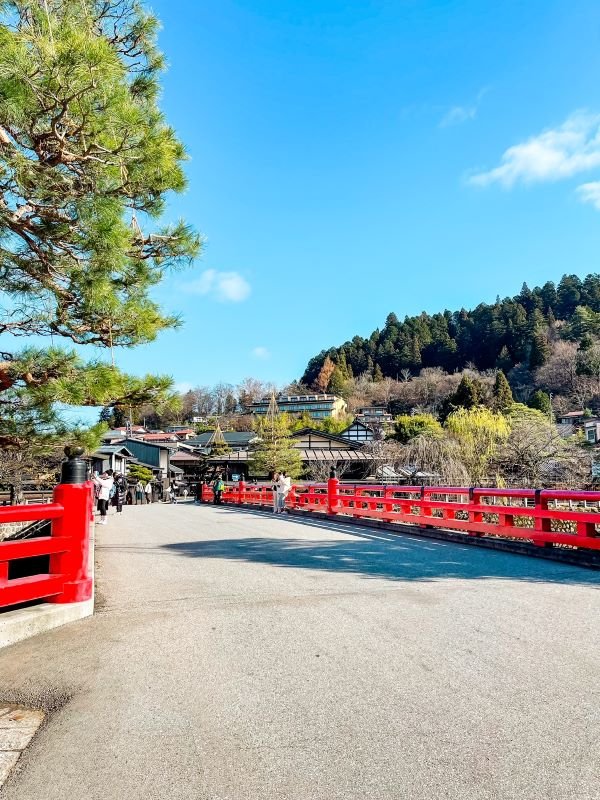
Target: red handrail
x,y
67,579
548,517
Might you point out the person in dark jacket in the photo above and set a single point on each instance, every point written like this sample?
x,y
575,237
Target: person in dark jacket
x,y
120,493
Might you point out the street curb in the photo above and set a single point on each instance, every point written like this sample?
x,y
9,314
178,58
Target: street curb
x,y
576,558
15,626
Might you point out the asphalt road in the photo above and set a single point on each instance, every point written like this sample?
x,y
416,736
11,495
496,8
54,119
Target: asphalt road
x,y
241,656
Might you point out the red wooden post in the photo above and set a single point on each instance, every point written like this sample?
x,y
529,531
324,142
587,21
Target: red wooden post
x,y
387,497
541,523
332,491
76,496
292,497
241,490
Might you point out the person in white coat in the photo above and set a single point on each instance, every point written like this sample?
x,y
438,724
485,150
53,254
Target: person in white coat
x,y
275,489
105,484
284,485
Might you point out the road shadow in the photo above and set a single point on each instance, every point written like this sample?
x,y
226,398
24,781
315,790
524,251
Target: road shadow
x,y
376,554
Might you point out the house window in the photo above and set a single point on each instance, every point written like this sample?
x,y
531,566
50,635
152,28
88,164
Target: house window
x,y
591,435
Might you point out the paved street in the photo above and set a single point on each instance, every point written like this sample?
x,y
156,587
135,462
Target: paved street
x,y
240,656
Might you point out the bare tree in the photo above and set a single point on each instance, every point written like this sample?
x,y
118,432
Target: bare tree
x,y
437,456
250,390
559,373
319,471
221,394
536,455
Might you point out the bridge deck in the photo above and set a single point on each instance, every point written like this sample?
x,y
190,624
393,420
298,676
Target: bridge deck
x,y
241,656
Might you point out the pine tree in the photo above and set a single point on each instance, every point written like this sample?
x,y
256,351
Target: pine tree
x,y
85,153
540,350
342,365
468,394
337,382
107,415
504,360
275,451
541,402
503,398
377,374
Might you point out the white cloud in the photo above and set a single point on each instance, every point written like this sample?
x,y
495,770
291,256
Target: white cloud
x,y
590,193
261,353
555,153
226,287
459,114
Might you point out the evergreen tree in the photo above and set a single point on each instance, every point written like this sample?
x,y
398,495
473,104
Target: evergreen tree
x,y
377,374
504,361
107,415
541,402
469,393
503,398
540,350
337,382
216,442
342,366
137,472
275,451
84,150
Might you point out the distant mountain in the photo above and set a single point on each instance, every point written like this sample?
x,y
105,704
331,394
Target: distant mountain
x,y
516,330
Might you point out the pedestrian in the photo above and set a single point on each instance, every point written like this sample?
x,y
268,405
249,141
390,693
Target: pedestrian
x,y
274,487
218,489
139,492
185,492
172,494
284,485
104,484
129,497
120,487
148,492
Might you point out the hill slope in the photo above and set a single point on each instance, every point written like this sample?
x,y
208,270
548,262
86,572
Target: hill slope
x,y
516,330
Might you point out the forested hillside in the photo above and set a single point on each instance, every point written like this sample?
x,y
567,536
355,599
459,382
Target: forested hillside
x,y
521,331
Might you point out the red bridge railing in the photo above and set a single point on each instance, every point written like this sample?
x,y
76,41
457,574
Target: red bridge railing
x,y
545,517
68,579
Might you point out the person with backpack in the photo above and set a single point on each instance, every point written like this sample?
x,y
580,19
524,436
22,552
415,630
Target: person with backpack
x,y
103,486
218,489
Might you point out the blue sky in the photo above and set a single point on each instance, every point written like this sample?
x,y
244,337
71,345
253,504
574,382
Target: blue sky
x,y
349,158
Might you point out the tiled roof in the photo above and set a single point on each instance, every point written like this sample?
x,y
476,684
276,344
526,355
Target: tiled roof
x,y
231,437
107,449
158,437
323,454
183,455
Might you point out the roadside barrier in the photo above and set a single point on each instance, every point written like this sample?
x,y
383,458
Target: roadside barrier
x,y
71,511
546,517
